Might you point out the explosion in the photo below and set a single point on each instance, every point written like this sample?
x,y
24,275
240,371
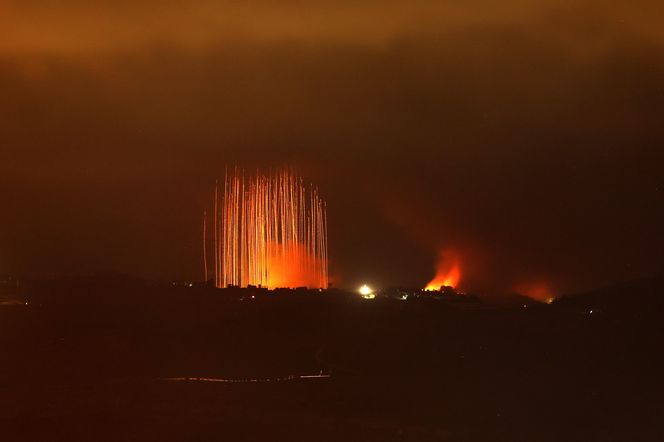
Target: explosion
x,y
269,231
448,272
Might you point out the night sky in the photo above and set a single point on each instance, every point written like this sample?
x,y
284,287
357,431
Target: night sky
x,y
525,137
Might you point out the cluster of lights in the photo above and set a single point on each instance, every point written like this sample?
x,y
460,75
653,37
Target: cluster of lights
x,y
367,292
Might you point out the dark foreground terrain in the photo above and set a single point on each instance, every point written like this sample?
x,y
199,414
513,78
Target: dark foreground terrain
x,y
90,363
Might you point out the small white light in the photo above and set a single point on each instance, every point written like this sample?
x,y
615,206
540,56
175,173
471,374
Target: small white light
x,y
365,290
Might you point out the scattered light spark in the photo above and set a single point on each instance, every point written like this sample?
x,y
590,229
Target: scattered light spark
x,y
270,231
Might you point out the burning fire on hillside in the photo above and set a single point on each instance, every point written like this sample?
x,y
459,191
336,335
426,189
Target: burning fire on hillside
x,y
448,272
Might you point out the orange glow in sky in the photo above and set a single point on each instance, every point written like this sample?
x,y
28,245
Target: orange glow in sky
x,y
539,291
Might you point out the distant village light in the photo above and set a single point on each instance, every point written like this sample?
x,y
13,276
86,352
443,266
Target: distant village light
x,y
365,290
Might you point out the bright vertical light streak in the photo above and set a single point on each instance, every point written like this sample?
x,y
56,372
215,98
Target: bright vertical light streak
x,y
216,236
205,265
272,231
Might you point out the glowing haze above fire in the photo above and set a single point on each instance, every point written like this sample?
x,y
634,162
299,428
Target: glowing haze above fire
x,y
506,130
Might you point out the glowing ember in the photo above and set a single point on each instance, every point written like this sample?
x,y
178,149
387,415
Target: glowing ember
x,y
269,231
448,272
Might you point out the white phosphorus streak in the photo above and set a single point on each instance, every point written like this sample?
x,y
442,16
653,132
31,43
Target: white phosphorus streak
x,y
269,231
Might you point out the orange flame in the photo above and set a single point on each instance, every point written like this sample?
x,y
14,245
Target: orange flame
x,y
293,267
448,272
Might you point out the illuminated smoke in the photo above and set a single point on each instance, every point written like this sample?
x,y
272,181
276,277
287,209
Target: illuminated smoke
x,y
448,272
270,231
539,291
